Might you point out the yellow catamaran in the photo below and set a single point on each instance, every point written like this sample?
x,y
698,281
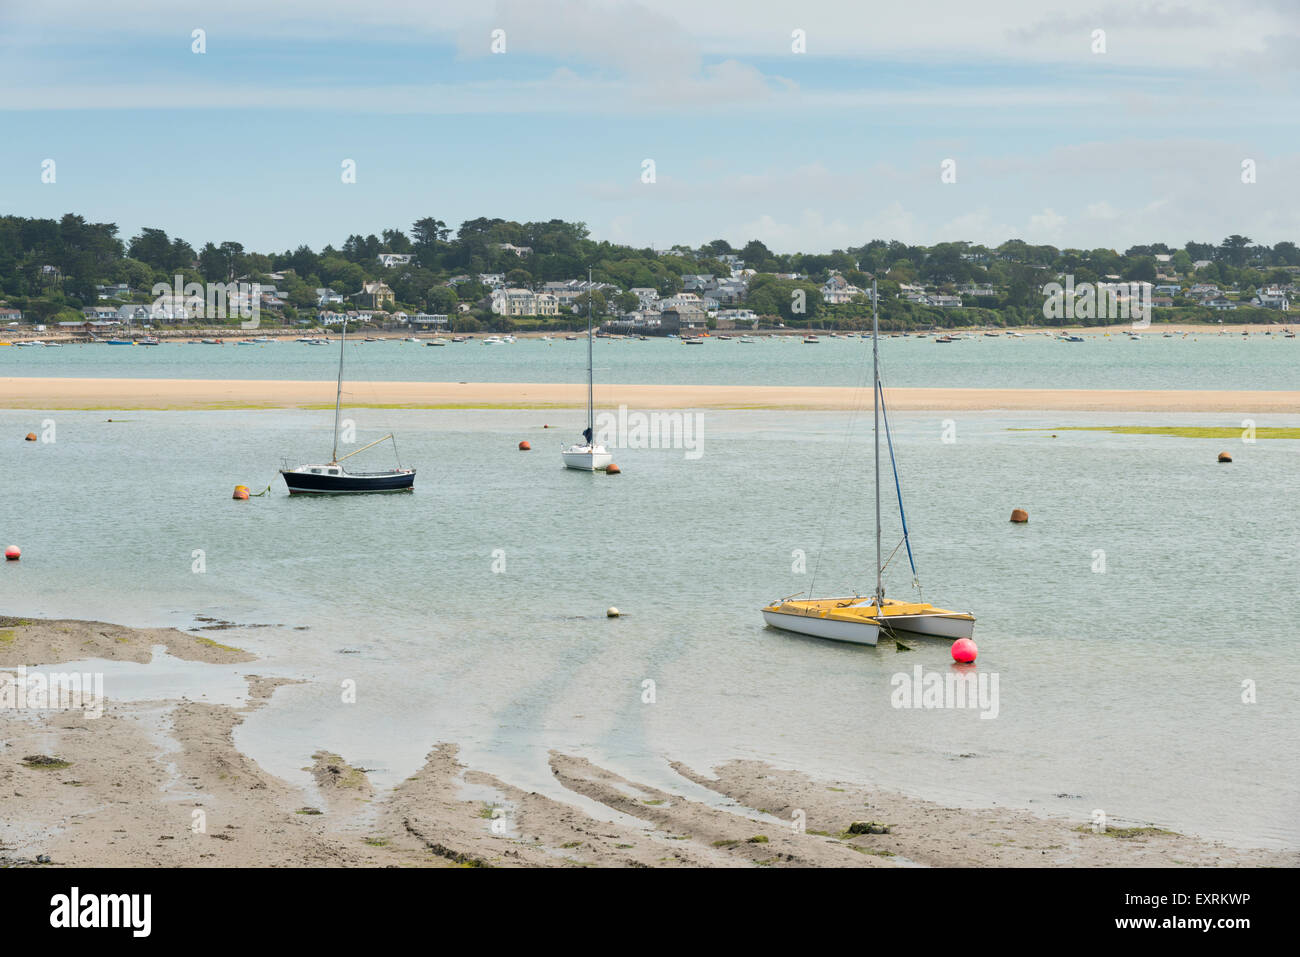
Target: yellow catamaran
x,y
857,619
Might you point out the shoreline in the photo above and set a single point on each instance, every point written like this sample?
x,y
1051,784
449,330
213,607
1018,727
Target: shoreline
x,y
126,789
231,334
92,394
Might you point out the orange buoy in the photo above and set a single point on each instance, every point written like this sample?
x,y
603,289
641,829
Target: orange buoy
x,y
13,553
612,469
964,650
1019,515
525,447
1225,457
31,436
241,493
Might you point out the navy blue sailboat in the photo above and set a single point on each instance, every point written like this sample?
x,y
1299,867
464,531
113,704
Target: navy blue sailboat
x,y
332,478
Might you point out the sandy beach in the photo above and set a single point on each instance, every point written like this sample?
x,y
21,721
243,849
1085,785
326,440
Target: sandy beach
x,y
123,789
189,394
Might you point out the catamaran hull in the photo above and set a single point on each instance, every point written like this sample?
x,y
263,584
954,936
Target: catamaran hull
x,y
855,632
935,626
308,483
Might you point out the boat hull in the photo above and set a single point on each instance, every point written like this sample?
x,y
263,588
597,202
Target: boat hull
x,y
310,483
860,621
865,632
586,459
935,626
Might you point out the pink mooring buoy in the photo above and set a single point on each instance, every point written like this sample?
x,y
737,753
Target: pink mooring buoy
x,y
964,650
13,553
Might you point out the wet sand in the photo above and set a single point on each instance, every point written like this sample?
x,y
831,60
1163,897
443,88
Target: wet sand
x,y
187,394
161,784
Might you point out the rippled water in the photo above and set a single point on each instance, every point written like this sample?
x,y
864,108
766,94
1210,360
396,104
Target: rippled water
x,y
1122,688
1114,362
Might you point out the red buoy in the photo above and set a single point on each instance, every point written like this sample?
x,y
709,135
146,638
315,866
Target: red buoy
x,y
13,553
31,436
524,447
1019,515
964,650
612,469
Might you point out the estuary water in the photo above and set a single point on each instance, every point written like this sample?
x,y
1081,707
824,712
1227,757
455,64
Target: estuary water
x,y
1200,361
1150,590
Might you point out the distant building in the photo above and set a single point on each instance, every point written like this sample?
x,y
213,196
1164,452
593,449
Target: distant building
x,y
837,290
374,295
524,302
11,315
389,260
520,251
737,319
687,319
116,291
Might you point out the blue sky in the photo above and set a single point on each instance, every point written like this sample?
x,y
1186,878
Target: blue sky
x,y
816,150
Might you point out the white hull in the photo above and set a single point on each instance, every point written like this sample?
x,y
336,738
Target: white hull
x,y
587,459
856,632
937,626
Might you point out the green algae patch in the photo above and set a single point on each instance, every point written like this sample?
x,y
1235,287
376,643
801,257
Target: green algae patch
x,y
1127,832
216,644
1178,431
43,762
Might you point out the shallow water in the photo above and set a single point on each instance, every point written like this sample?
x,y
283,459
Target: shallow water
x,y
1121,686
1115,362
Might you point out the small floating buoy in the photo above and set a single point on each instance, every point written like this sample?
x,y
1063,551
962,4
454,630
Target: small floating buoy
x,y
241,493
13,553
612,469
525,447
31,437
964,650
612,612
1019,515
1225,457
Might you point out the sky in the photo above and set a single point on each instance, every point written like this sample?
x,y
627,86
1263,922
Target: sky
x,y
808,125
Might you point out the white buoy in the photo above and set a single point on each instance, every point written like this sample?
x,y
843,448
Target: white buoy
x,y
611,612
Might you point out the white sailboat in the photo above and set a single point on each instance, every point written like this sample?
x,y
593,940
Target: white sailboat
x,y
588,455
857,619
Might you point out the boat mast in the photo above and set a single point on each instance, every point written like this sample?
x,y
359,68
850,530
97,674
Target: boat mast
x,y
338,396
591,413
875,401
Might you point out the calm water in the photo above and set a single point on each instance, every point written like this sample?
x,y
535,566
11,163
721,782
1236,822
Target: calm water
x,y
1122,687
1115,362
